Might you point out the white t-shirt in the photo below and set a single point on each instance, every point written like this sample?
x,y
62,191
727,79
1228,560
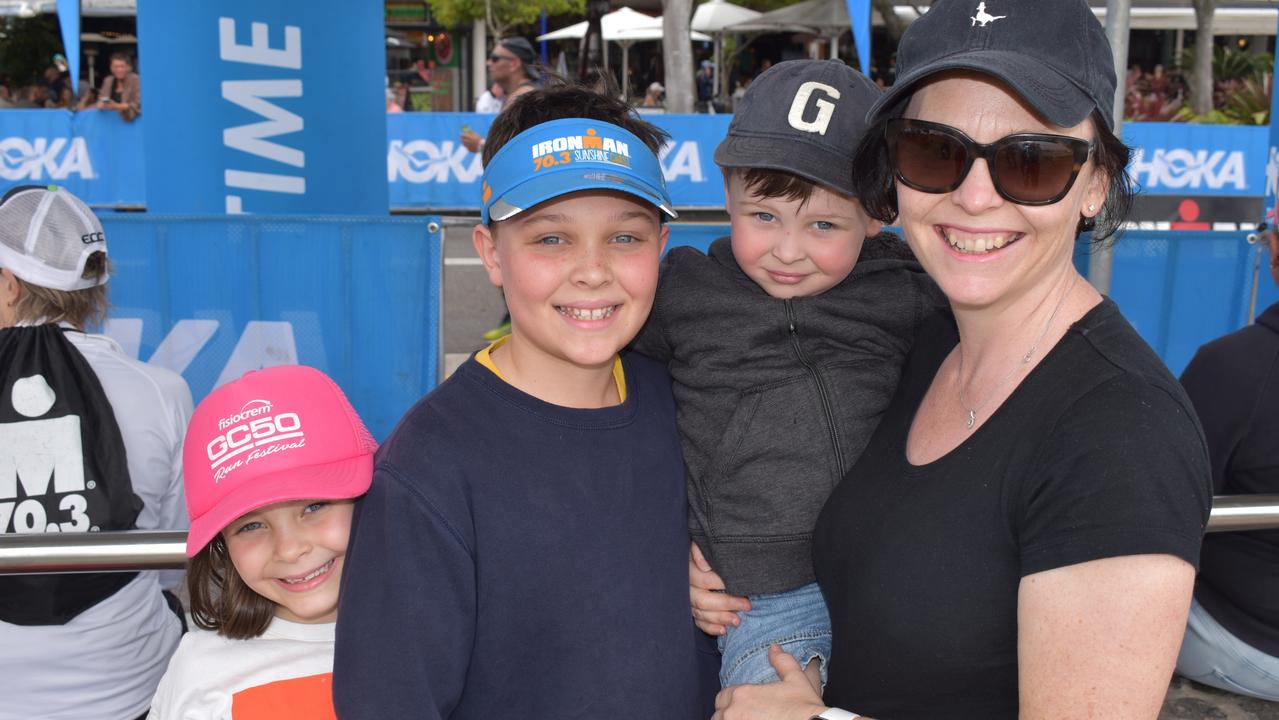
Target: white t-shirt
x,y
106,662
286,673
486,103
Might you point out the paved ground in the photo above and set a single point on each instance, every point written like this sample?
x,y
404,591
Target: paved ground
x,y
1191,701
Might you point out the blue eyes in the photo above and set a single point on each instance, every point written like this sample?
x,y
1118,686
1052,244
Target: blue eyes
x,y
252,525
823,225
764,217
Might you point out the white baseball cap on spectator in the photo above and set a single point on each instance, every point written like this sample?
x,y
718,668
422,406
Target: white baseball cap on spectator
x,y
47,235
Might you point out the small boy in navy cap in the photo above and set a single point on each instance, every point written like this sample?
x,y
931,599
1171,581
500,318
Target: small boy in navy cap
x,y
785,342
522,551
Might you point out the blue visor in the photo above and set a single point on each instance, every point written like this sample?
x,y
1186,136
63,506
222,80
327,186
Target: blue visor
x,y
568,156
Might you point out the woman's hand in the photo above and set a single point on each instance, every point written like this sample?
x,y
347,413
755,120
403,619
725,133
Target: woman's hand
x,y
713,609
791,699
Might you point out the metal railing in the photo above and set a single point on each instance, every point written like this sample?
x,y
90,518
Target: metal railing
x,y
160,550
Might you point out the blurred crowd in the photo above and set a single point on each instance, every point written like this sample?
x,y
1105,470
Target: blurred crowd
x,y
120,91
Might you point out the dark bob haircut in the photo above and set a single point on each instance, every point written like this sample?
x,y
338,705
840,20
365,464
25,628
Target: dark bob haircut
x,y
220,601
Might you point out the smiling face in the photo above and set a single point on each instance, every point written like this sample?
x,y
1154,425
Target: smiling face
x,y
291,553
795,248
120,68
981,249
579,273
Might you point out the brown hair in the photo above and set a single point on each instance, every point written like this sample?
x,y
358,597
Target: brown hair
x,y
220,600
769,183
80,308
557,102
120,55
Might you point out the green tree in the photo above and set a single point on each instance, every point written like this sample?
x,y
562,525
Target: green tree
x,y
499,15
28,48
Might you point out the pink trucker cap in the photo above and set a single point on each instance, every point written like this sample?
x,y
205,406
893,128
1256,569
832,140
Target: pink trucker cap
x,y
283,433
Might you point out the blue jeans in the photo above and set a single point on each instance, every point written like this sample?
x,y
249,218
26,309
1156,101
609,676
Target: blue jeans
x,y
1211,655
796,619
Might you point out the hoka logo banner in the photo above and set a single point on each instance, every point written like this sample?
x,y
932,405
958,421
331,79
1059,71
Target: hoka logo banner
x,y
1184,169
41,158
420,161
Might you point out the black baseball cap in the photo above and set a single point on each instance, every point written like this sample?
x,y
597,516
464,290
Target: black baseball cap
x,y
523,49
1053,53
804,117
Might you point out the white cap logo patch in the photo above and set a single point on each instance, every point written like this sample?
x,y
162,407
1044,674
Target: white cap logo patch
x,y
984,18
825,108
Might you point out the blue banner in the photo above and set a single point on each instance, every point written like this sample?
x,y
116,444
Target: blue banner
x,y
357,297
859,18
268,107
96,155
93,153
1180,159
69,21
428,167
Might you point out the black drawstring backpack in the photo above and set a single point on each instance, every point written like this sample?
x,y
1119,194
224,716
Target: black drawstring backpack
x,y
62,469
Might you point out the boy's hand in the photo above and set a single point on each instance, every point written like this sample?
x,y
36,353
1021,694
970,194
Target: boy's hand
x,y
713,609
791,699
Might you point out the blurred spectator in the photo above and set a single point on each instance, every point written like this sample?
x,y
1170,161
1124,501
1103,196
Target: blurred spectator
x,y
511,64
1232,639
491,100
5,100
705,78
57,83
121,90
656,96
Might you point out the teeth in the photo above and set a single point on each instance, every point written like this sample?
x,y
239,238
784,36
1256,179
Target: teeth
x,y
979,244
587,313
309,576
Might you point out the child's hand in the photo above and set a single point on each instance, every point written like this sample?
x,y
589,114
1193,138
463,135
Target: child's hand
x,y
713,609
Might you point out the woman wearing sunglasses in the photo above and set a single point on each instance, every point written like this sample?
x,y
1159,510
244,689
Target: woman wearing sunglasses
x,y
1019,538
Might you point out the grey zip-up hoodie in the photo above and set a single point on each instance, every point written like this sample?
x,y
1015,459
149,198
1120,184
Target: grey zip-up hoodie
x,y
777,398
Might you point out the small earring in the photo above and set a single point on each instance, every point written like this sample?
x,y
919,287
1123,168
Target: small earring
x,y
1092,208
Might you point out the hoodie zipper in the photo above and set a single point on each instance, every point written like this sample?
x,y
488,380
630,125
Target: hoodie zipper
x,y
821,386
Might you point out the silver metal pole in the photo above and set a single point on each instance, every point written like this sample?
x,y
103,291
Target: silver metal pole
x,y
92,552
1244,512
159,550
1102,259
1256,276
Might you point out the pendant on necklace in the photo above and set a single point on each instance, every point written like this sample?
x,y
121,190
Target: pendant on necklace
x,y
972,418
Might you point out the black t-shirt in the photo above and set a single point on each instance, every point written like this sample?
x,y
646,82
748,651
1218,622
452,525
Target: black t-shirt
x,y
1234,384
1096,454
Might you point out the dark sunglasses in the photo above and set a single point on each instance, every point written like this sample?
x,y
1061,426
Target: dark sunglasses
x,y
494,57
1026,168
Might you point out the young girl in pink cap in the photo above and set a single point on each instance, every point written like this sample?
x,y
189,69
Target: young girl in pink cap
x,y
272,463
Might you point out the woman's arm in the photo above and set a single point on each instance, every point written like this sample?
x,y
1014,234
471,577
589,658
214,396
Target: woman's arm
x,y
1099,639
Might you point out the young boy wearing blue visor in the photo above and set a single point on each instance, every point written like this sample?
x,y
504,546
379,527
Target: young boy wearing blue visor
x,y
523,549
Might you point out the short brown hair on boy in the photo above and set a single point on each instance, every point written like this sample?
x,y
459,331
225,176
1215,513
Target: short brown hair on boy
x,y
568,101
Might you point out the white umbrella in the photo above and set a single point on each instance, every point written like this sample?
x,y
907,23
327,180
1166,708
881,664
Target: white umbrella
x,y
624,26
712,17
715,15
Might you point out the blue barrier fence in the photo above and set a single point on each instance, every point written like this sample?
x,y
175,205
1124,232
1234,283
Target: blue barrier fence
x,y
212,297
360,298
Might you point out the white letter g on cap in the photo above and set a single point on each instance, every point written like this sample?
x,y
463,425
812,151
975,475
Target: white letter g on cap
x,y
825,108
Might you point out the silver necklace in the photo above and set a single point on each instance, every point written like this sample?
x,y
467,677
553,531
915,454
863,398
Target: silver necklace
x,y
1024,360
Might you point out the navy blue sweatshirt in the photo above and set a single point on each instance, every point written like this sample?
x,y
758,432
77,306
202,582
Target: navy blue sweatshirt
x,y
517,559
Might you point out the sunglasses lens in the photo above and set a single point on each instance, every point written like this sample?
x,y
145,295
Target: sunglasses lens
x,y
928,160
1034,171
